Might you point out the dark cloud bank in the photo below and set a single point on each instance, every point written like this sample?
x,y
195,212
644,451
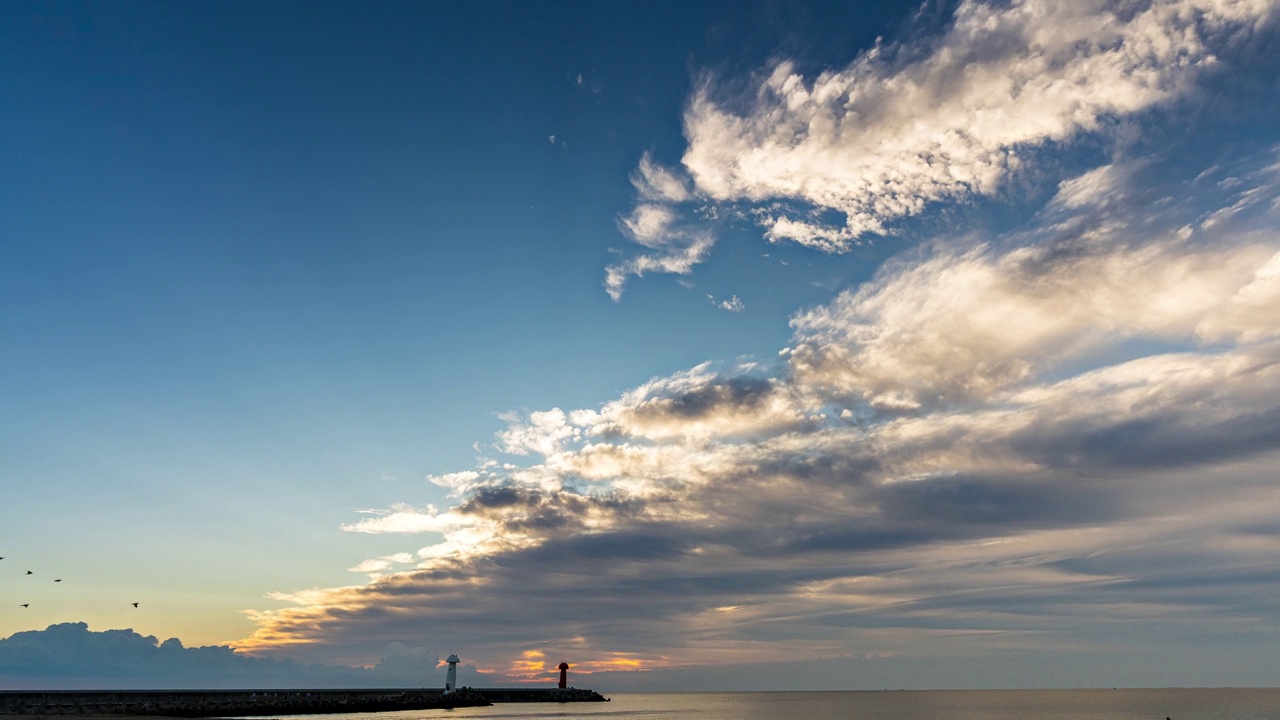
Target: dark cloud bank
x,y
70,656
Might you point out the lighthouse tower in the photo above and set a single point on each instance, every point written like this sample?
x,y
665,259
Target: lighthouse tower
x,y
564,674
451,677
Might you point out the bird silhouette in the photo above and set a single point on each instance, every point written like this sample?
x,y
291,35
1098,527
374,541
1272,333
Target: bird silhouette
x,y
30,573
135,604
26,604
58,580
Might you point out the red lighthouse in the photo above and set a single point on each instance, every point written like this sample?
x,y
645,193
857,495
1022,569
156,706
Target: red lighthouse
x,y
564,674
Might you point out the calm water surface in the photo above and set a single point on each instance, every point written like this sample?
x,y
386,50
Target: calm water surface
x,y
1178,704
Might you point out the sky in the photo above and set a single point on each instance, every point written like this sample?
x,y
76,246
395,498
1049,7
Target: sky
x,y
763,345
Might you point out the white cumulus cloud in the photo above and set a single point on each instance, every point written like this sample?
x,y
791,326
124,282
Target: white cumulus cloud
x,y
905,126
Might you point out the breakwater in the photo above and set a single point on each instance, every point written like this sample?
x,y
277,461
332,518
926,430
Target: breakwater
x,y
239,703
514,695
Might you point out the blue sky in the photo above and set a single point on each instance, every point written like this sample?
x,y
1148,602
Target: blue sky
x,y
930,344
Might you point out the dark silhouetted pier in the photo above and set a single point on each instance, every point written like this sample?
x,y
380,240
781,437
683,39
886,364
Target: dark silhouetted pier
x,y
239,703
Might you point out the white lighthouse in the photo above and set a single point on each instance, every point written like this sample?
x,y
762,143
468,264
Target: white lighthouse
x,y
451,677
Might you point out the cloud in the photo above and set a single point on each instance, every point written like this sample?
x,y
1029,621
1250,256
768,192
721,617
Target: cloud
x,y
676,245
71,656
694,405
943,118
903,127
399,519
965,325
654,183
985,449
733,304
1008,448
375,567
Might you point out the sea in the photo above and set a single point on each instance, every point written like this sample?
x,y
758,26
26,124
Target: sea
x,y
1119,704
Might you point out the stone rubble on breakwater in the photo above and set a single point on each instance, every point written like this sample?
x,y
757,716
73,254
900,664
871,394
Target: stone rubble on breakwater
x,y
512,695
229,703
239,703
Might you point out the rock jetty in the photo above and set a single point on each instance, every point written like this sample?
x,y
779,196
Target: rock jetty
x,y
230,703
240,703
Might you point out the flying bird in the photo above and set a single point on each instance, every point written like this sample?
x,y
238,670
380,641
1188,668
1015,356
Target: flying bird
x,y
26,604
58,580
30,573
135,604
